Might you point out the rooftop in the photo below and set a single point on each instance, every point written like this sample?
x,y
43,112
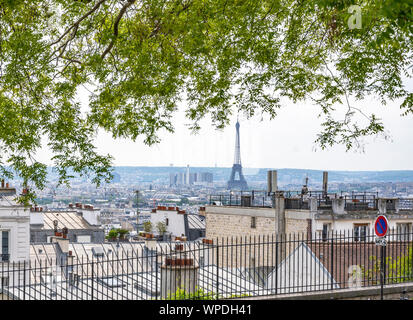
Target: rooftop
x,y
324,202
69,219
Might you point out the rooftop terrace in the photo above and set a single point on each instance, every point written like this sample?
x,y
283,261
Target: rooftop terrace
x,y
323,201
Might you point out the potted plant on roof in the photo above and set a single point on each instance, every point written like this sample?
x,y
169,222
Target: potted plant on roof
x,y
161,227
112,235
147,227
122,234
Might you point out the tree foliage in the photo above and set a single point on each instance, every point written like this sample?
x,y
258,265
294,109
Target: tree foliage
x,y
115,233
147,226
161,227
398,269
198,294
140,58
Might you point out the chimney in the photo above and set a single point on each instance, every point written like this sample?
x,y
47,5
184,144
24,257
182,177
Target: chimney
x,y
65,231
207,253
178,271
325,183
7,185
2,183
272,181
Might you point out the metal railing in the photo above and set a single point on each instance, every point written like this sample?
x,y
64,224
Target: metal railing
x,y
255,198
405,204
232,267
297,200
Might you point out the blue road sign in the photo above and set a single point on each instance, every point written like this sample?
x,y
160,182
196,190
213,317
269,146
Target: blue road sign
x,y
381,226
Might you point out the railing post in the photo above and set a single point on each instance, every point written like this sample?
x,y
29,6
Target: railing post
x,y
217,279
93,279
382,273
332,260
24,280
276,264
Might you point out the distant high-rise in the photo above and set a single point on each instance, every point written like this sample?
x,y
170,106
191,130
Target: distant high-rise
x,y
240,183
188,181
183,178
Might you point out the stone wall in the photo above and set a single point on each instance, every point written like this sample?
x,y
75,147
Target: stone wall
x,y
254,247
222,225
298,226
390,292
236,221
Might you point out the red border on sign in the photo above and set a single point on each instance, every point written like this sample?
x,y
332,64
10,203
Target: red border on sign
x,y
375,226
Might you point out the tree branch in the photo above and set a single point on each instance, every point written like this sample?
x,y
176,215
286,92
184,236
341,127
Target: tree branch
x,y
116,26
76,24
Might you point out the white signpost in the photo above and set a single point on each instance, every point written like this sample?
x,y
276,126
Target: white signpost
x,y
381,241
380,228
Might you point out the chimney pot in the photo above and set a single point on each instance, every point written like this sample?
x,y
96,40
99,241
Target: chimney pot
x,y
7,185
2,183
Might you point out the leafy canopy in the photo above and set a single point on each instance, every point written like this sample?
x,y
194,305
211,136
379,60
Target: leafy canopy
x,y
140,58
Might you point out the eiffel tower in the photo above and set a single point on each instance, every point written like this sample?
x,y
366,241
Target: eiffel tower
x,y
240,184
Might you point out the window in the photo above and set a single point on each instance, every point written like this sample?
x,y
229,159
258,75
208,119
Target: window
x,y
404,231
253,222
326,230
98,251
83,239
4,254
167,221
111,282
360,231
201,261
4,282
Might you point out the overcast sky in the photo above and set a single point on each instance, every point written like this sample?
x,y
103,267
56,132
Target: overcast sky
x,y
285,142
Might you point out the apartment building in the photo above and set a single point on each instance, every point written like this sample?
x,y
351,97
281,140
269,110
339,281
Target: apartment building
x,y
313,213
82,222
178,222
14,237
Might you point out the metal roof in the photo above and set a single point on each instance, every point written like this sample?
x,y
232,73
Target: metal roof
x,y
69,219
134,286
